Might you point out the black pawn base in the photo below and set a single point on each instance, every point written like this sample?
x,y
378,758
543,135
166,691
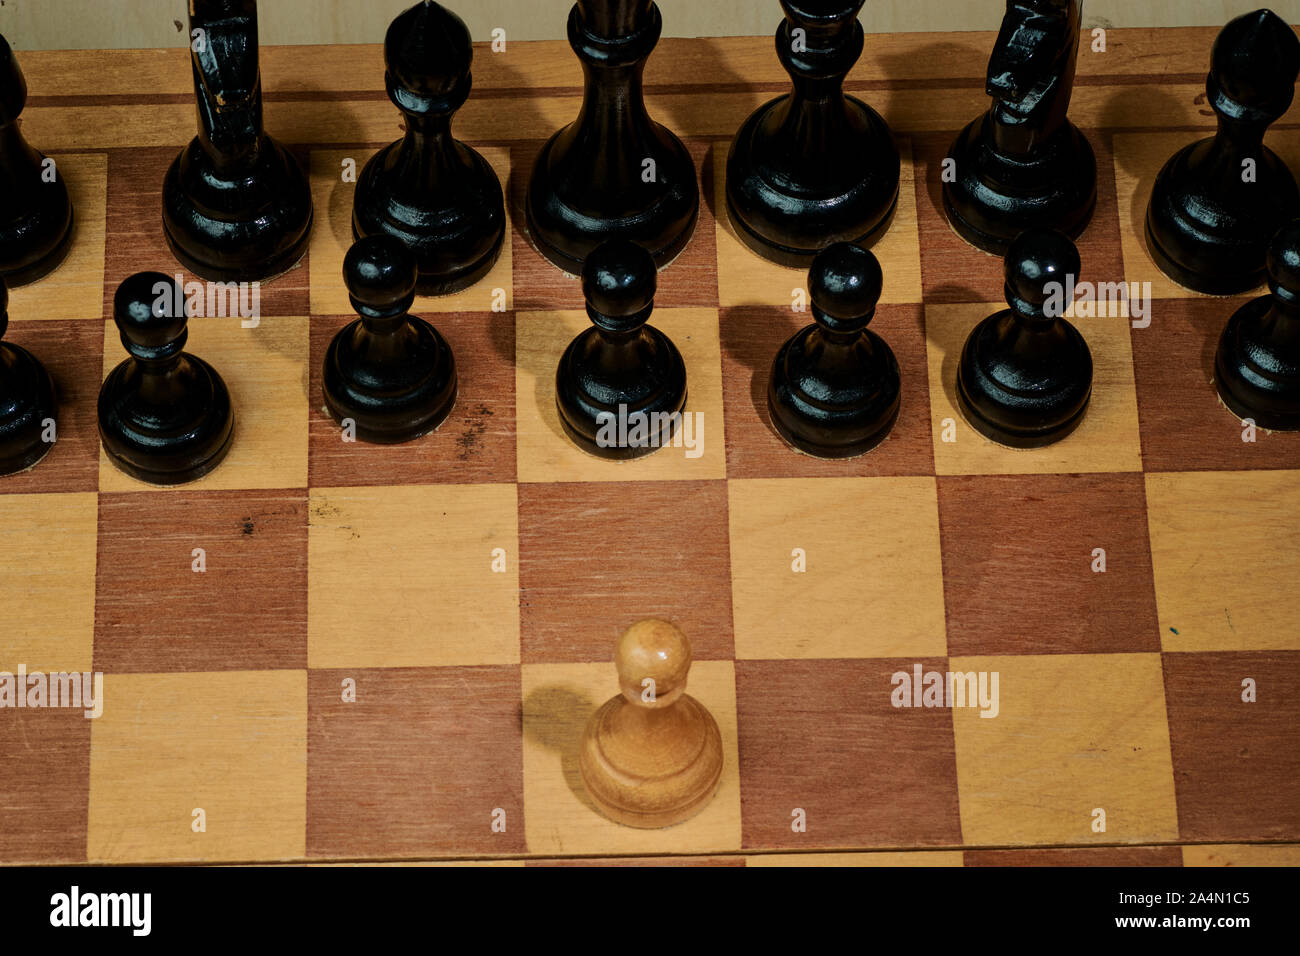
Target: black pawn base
x,y
56,223
250,228
995,197
620,387
835,386
390,373
1210,245
1025,378
859,420
1254,380
583,377
27,402
789,225
165,416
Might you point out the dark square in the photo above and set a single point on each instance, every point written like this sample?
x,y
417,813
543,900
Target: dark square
x,y
1083,856
246,611
417,765
690,280
476,443
1184,424
44,784
1018,559
954,271
134,240
1235,763
73,353
822,736
596,557
751,337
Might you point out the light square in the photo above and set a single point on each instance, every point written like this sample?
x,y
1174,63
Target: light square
x,y
74,290
560,819
332,236
1223,549
265,369
233,744
47,581
874,580
403,576
546,453
1073,733
1139,157
1107,439
745,278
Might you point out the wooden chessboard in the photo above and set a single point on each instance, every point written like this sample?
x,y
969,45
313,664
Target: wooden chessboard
x,y
329,562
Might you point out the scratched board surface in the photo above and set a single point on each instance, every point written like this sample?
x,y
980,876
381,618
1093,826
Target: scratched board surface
x,y
328,651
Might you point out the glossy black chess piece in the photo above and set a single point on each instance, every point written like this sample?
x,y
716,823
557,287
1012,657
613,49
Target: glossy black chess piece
x,y
36,216
1217,203
613,173
429,189
1025,375
621,385
834,389
815,166
390,372
27,402
236,204
1257,367
1023,164
164,415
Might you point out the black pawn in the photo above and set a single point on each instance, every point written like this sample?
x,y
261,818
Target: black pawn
x,y
429,189
236,204
1023,164
36,222
613,173
164,414
26,402
1257,367
621,385
815,166
1025,375
834,391
1217,203
391,373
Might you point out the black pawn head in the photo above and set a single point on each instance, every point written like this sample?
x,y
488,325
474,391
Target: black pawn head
x,y
1041,266
1283,265
380,273
845,284
1254,64
619,280
427,52
149,310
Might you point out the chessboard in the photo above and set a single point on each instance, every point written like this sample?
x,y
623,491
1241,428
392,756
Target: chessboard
x,y
335,652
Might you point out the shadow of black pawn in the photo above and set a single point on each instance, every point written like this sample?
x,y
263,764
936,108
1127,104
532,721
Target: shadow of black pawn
x,y
389,373
834,391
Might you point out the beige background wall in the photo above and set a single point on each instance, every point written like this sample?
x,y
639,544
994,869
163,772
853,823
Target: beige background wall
x,y
89,24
